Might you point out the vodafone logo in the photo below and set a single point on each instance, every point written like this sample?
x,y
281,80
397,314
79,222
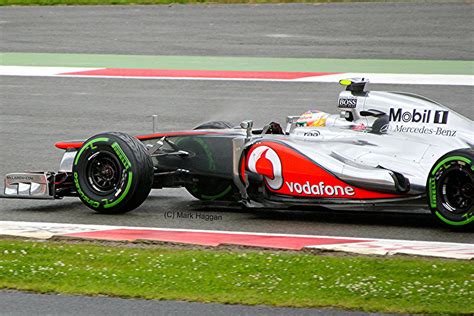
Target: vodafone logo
x,y
265,161
320,189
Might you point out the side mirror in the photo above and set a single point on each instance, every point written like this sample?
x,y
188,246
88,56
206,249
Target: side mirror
x,y
247,125
290,123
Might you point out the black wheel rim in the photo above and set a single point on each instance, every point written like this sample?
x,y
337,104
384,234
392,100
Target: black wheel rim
x,y
103,173
457,190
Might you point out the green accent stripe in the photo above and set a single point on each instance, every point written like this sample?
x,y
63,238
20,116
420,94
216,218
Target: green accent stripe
x,y
217,196
240,63
123,158
89,143
448,160
124,194
432,192
433,203
447,221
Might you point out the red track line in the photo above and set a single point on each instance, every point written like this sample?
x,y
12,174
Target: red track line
x,y
215,238
218,74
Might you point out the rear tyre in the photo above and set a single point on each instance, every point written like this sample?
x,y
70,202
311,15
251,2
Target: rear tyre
x,y
113,173
209,188
215,125
450,189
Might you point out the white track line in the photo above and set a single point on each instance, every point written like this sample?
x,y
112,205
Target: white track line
x,y
38,71
377,78
416,79
371,246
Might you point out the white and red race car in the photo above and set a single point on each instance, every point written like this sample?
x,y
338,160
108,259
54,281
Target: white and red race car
x,y
381,149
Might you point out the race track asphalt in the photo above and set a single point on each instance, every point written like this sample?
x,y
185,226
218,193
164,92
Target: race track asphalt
x,y
36,112
41,111
425,30
18,303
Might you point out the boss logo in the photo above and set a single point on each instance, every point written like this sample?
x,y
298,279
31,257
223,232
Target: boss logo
x,y
415,116
347,103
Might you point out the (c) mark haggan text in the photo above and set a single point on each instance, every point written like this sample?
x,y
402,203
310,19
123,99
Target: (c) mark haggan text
x,y
192,216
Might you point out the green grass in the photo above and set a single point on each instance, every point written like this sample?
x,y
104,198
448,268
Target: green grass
x,y
405,285
123,2
458,67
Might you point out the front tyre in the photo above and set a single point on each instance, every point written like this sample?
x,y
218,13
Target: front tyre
x,y
113,173
451,189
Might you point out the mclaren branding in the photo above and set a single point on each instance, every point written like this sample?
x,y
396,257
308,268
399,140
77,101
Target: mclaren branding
x,y
416,116
20,178
349,103
319,189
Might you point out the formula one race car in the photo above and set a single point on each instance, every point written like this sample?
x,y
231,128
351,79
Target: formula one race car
x,y
381,149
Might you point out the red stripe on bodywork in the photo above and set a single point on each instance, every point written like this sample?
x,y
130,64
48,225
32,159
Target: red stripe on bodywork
x,y
217,74
78,144
171,134
215,239
298,171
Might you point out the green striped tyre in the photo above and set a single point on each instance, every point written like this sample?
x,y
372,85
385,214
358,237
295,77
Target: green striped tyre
x,y
113,173
208,188
211,189
450,189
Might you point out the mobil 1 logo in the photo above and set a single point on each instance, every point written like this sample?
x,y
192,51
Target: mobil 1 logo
x,y
418,116
438,117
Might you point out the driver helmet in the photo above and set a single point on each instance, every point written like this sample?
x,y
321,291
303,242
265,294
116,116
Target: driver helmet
x,y
312,118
